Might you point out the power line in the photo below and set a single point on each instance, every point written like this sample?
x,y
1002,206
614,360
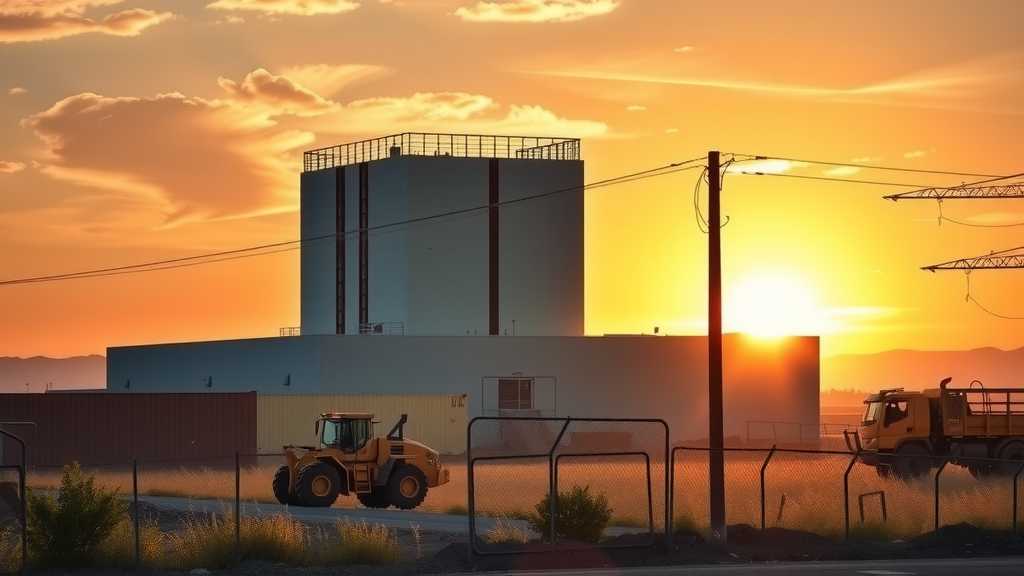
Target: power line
x,y
830,179
870,166
259,250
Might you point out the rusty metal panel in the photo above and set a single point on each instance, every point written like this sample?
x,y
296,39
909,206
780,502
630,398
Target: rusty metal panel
x,y
438,421
105,428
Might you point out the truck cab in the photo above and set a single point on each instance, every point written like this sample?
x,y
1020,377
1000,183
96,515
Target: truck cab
x,y
894,417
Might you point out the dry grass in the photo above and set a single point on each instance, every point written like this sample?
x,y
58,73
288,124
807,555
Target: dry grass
x,y
10,550
812,486
506,532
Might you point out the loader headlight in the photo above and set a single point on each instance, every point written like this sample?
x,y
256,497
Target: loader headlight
x,y
432,458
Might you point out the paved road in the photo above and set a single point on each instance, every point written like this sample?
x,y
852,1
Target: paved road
x,y
391,518
947,567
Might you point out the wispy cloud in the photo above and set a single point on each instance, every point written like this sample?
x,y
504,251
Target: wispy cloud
x,y
841,171
17,91
636,108
10,167
330,79
683,49
533,11
286,7
975,85
35,20
916,154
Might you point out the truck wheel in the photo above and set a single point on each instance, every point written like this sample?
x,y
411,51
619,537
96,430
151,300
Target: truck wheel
x,y
911,461
407,487
318,485
376,499
281,484
1013,451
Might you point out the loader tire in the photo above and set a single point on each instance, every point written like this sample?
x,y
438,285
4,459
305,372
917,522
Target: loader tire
x,y
318,485
282,483
376,499
407,487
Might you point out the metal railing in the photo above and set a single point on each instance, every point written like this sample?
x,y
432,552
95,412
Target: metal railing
x,y
438,144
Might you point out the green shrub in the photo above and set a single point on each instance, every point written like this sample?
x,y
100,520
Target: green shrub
x,y
67,532
581,515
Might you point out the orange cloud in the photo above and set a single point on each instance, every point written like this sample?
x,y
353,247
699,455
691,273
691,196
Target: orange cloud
x,y
191,158
36,20
9,167
535,10
287,7
278,92
451,112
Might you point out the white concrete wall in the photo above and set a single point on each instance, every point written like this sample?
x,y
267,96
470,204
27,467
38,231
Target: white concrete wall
x,y
649,377
448,278
318,300
541,267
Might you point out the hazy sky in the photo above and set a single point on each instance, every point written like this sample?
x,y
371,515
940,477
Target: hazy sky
x,y
136,130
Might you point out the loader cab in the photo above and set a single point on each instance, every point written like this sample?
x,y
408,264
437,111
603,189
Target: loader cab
x,y
345,431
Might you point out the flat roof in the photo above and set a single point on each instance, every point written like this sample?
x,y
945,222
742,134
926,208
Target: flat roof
x,y
440,144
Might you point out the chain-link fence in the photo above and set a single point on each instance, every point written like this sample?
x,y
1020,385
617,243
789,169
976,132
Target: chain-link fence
x,y
845,494
520,491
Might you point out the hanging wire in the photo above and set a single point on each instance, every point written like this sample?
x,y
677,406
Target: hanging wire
x,y
970,298
702,223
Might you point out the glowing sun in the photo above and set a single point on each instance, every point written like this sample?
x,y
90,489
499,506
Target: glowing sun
x,y
773,305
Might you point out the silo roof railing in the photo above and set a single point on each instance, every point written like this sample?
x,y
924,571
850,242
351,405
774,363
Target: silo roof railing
x,y
436,144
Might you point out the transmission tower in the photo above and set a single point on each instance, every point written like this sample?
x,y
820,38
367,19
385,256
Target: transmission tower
x,y
966,192
1002,260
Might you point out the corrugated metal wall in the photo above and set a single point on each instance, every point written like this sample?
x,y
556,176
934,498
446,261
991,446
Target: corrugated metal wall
x,y
104,428
438,421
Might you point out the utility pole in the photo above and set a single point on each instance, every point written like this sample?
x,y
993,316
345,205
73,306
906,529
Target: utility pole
x,y
716,457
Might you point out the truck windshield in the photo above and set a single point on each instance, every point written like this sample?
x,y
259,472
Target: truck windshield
x,y
873,412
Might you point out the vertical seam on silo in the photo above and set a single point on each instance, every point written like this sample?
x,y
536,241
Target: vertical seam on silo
x,y
364,251
339,259
494,320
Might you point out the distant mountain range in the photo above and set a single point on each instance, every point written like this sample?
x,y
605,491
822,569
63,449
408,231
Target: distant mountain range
x,y
916,370
38,372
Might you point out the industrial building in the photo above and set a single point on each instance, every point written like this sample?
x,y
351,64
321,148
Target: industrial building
x,y
451,266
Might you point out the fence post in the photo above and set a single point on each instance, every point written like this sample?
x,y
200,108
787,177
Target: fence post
x,y
238,511
669,486
764,466
553,496
1016,478
846,492
937,474
135,515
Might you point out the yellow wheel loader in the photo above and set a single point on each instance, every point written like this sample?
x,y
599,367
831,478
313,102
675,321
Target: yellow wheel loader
x,y
381,472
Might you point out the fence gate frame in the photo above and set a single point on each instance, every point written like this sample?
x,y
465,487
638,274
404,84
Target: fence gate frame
x,y
553,459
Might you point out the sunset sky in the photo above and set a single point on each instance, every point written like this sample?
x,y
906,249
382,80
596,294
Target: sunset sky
x,y
136,130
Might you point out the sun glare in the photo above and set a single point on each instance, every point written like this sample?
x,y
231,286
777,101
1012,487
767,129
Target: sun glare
x,y
773,305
